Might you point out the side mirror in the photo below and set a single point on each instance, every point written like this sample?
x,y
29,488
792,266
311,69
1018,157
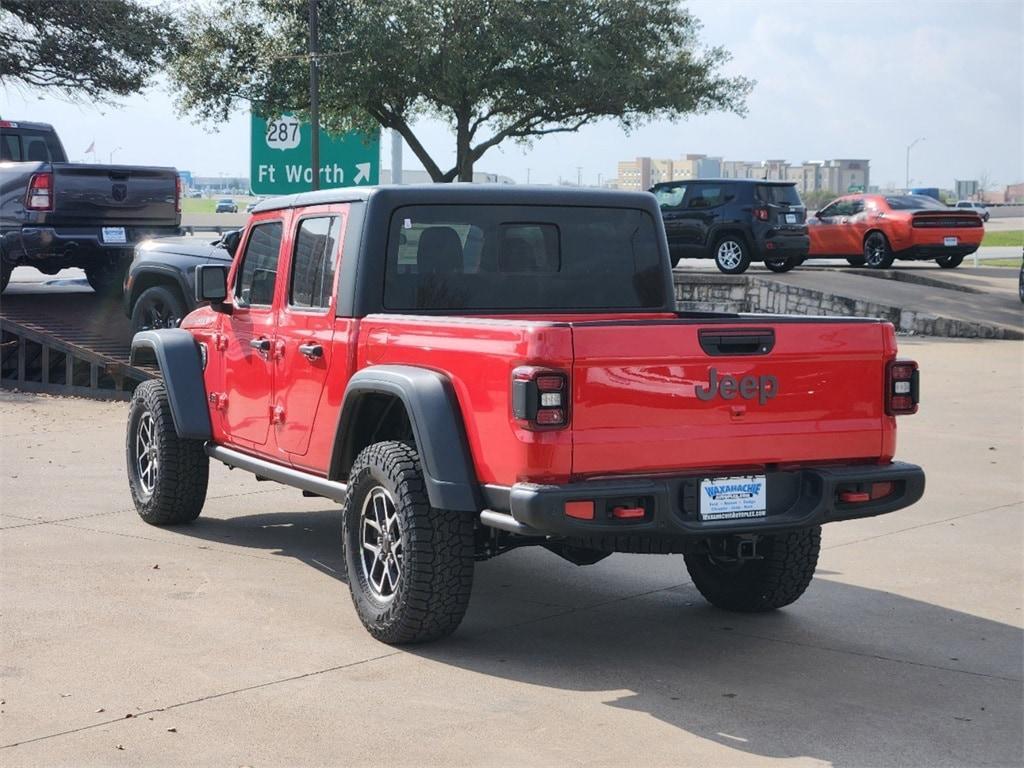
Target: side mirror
x,y
212,286
229,241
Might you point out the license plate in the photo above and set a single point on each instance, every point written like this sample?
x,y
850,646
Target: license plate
x,y
791,218
731,498
114,235
950,241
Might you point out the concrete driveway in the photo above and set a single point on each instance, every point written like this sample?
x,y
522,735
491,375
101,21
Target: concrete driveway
x,y
233,641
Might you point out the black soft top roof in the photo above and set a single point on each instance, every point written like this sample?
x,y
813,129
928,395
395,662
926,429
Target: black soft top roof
x,y
464,194
769,182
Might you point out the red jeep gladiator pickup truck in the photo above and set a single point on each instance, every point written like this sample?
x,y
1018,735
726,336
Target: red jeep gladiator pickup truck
x,y
469,369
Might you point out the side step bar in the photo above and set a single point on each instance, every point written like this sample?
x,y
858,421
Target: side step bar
x,y
286,475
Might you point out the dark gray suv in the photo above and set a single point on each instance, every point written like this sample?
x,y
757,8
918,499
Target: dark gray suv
x,y
734,222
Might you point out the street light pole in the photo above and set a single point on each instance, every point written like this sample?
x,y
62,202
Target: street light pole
x,y
112,154
314,91
910,146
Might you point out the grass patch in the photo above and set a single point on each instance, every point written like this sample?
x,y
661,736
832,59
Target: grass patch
x,y
1009,237
197,205
1015,263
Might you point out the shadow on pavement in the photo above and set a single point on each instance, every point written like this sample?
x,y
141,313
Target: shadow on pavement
x,y
850,675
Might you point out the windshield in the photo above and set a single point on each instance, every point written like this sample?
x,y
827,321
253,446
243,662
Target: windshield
x,y
497,257
914,203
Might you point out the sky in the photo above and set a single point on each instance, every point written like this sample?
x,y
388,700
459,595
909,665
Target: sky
x,y
835,79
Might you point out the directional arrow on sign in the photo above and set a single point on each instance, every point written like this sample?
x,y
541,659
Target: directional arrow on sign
x,y
362,173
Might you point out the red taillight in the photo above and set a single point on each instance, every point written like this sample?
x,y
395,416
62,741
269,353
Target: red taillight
x,y
7,124
761,214
902,387
177,194
39,196
540,398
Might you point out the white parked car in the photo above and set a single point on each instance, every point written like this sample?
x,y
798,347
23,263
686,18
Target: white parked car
x,y
978,208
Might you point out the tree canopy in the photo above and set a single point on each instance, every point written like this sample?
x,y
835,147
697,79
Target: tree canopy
x,y
494,70
86,49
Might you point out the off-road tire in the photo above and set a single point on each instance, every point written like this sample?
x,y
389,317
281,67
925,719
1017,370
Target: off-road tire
x,y
177,489
877,252
106,276
856,261
432,593
754,586
949,262
731,246
783,265
157,307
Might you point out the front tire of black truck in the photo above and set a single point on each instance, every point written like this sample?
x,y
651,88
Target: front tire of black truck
x,y
779,576
410,566
168,475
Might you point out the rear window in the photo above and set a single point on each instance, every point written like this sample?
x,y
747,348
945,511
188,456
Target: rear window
x,y
914,203
28,145
482,258
777,193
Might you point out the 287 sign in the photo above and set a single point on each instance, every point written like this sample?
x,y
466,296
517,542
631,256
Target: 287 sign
x,y
283,133
281,162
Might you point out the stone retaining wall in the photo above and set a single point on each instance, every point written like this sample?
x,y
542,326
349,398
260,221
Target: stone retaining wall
x,y
752,293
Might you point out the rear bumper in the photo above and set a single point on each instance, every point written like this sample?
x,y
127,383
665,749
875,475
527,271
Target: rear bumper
x,y
27,245
795,499
781,243
929,252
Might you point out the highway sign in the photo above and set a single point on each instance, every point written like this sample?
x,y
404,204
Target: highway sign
x,y
280,157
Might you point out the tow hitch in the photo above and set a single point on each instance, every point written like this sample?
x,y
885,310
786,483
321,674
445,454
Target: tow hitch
x,y
735,548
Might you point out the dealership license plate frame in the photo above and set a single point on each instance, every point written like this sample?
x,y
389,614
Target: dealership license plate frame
x,y
114,236
737,499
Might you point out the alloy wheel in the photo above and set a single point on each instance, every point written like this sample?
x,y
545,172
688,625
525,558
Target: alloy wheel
x,y
380,543
147,461
730,254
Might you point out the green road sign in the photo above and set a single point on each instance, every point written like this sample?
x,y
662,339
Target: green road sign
x,y
855,188
281,163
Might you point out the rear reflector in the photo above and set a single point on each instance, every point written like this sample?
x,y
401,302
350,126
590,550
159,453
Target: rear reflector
x,y
581,510
854,497
628,513
881,490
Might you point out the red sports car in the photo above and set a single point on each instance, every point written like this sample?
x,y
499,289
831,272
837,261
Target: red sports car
x,y
878,229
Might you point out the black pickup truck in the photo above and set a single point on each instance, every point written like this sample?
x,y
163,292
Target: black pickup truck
x,y
55,214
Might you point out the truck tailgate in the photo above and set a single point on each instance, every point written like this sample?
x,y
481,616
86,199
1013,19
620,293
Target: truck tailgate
x,y
114,194
673,395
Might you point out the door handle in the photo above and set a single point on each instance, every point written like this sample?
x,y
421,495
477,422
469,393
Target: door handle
x,y
261,345
311,350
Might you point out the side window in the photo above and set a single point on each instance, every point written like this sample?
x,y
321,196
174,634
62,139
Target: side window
x,y
828,210
705,196
314,262
670,197
255,283
856,206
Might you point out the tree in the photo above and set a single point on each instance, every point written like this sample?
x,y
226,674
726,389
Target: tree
x,y
494,70
86,49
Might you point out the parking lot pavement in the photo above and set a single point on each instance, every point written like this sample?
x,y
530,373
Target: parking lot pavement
x,y
233,641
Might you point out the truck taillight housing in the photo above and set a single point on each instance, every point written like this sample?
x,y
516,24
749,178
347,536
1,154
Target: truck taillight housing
x,y
39,196
540,398
761,214
902,387
177,194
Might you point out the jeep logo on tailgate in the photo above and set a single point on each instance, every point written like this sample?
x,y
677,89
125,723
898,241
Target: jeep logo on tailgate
x,y
763,388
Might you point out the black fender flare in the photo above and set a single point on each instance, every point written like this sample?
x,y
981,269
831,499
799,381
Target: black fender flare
x,y
176,353
436,421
